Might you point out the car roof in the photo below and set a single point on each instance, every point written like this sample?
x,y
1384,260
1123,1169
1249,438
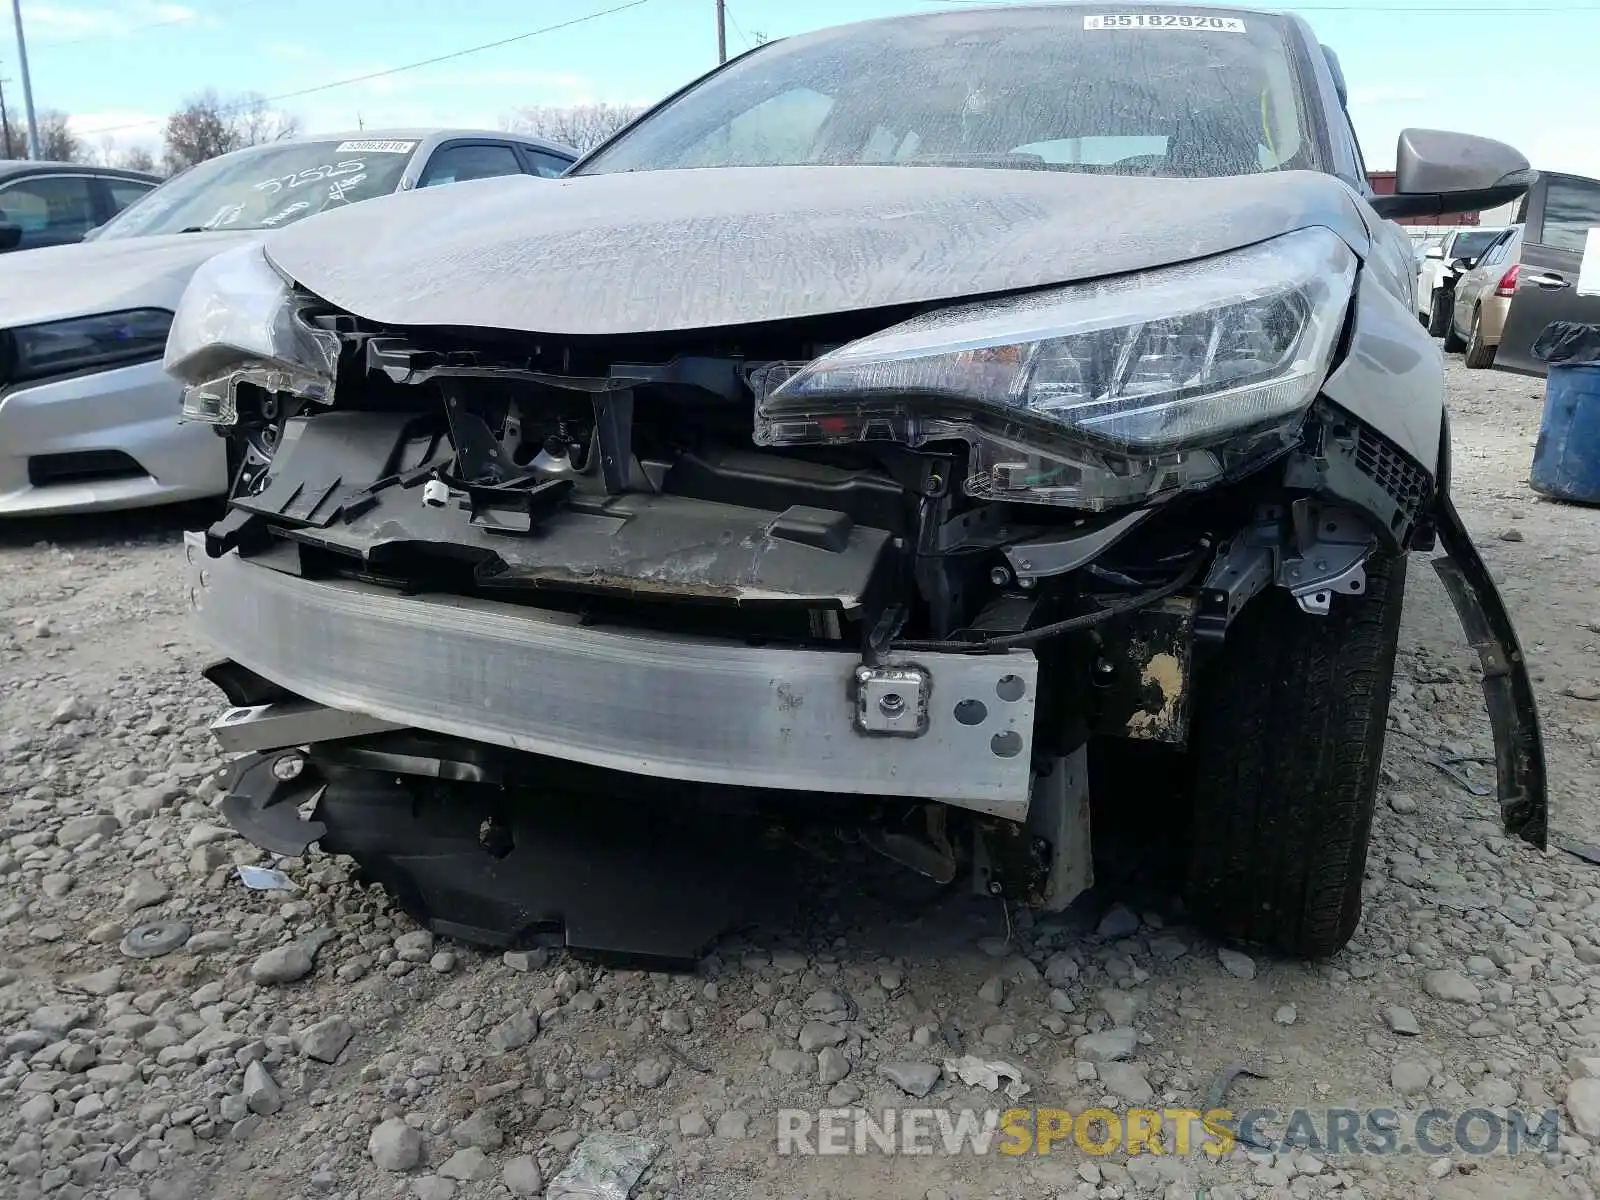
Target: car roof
x,y
996,12
420,134
11,168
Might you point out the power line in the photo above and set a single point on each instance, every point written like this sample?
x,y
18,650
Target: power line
x,y
228,110
737,28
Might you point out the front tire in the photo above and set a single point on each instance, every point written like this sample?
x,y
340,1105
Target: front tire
x,y
1286,747
1477,355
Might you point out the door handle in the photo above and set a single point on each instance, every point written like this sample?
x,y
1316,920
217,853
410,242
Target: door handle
x,y
1549,281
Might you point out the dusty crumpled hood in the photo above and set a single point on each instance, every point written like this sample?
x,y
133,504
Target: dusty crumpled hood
x,y
80,280
655,251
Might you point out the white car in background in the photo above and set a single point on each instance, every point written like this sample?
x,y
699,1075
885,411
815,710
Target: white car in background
x,y
88,419
1465,243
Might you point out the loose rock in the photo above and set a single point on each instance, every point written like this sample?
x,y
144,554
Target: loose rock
x,y
326,1040
1236,963
913,1078
1452,986
395,1146
261,1094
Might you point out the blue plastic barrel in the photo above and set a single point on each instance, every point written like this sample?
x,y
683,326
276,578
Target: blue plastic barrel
x,y
1566,461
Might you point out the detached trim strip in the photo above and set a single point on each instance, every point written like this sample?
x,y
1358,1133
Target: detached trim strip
x,y
697,709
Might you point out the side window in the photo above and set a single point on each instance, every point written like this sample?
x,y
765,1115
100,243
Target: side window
x,y
52,210
1501,250
546,165
479,160
1571,209
1361,161
124,192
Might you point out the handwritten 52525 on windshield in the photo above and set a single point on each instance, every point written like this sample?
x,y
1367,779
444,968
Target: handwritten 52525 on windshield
x,y
272,187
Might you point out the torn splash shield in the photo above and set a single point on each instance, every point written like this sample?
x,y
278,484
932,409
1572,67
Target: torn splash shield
x,y
1513,714
636,879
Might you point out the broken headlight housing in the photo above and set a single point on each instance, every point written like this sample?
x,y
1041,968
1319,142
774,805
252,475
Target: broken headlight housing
x,y
238,322
1095,394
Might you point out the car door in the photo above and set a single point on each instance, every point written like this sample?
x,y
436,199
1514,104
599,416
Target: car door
x,y
461,160
1482,278
1559,211
51,210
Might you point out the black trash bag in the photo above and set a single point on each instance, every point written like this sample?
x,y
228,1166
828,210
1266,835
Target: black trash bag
x,y
1568,344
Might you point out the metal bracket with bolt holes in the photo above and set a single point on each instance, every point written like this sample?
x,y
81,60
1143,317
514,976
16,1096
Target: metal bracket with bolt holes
x,y
1326,553
1047,861
290,723
1242,568
1059,815
892,700
1331,547
1044,557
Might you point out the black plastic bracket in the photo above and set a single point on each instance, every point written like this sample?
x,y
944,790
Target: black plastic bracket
x,y
265,808
1507,689
511,507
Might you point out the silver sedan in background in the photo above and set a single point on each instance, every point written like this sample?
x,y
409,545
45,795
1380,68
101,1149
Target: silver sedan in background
x,y
88,420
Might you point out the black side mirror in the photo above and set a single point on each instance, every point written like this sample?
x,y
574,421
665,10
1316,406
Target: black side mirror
x,y
1438,172
10,235
1462,265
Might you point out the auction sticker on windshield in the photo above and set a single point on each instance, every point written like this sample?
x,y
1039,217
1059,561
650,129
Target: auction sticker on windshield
x,y
375,147
1190,21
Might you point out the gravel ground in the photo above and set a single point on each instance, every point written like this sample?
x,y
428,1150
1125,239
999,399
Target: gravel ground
x,y
315,1044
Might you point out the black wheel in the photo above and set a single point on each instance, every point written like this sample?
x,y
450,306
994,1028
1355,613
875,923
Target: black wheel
x,y
1439,312
1285,748
1477,355
1454,343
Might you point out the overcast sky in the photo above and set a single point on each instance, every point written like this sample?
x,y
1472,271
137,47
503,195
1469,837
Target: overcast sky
x,y
1519,70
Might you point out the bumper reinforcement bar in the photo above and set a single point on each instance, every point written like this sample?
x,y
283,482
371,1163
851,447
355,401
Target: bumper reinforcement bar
x,y
700,709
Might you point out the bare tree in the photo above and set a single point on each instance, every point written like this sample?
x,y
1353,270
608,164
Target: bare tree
x,y
207,126
136,158
581,126
255,123
198,131
57,142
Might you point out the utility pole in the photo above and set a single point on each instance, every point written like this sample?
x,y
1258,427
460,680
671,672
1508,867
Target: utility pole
x,y
5,119
722,30
27,85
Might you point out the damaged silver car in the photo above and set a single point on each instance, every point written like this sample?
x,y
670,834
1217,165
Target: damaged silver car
x,y
889,427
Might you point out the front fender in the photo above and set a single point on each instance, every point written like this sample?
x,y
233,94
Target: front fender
x,y
1392,374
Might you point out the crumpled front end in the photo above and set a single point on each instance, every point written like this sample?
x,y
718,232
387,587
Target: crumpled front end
x,y
893,570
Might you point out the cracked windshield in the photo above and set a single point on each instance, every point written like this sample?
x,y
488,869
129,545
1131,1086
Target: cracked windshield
x,y
267,187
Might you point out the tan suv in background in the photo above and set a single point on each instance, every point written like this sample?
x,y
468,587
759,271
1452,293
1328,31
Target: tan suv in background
x,y
1483,297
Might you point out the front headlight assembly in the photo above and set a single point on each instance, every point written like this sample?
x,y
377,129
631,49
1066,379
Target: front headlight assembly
x,y
96,343
238,322
1097,394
